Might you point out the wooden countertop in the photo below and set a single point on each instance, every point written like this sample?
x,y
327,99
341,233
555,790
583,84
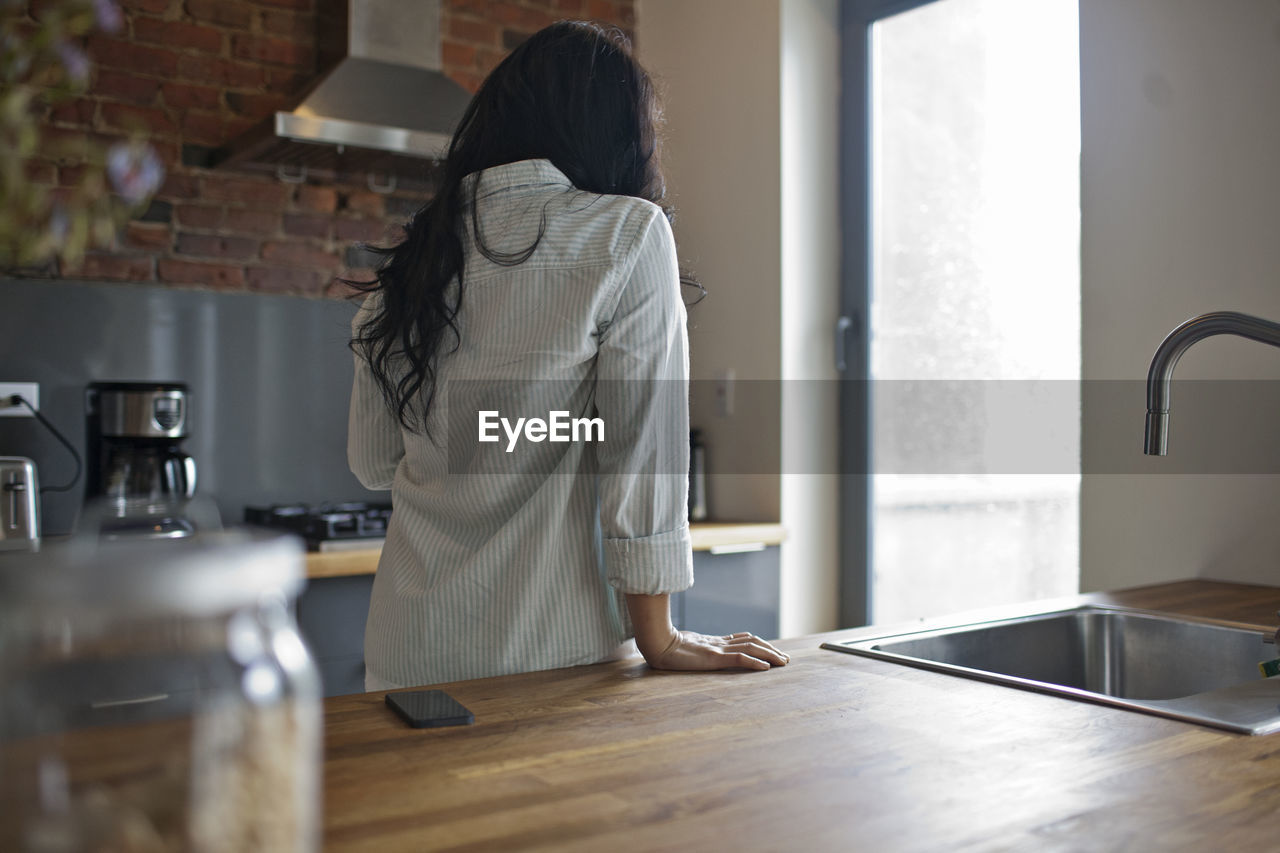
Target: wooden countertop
x,y
832,752
706,537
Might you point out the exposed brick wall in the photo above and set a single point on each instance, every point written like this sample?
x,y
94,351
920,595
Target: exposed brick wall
x,y
196,73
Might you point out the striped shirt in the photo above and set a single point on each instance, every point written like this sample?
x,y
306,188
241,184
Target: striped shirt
x,y
499,562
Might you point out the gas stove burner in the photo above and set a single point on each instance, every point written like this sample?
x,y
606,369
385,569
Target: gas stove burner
x,y
325,522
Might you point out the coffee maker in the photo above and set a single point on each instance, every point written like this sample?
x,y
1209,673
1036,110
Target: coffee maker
x,y
135,465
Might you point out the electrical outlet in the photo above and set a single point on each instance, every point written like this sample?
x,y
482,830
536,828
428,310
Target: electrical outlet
x,y
724,393
30,391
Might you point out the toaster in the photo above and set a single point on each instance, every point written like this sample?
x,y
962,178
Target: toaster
x,y
19,505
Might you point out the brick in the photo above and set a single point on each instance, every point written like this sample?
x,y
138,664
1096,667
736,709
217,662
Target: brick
x,y
71,175
185,96
602,10
569,8
177,34
286,24
111,52
299,5
126,87
300,254
475,8
359,231
237,125
68,145
521,17
286,81
368,203
167,151
217,246
226,13
40,171
180,186
198,216
130,118
273,51
219,276
255,106
511,39
156,211
217,71
259,223
307,224
469,30
148,235
469,80
110,267
203,127
457,55
154,7
318,199
253,193
76,111
287,280
487,59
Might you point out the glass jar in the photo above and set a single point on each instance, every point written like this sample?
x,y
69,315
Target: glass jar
x,y
157,696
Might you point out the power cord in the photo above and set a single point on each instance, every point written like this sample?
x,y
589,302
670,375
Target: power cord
x,y
16,399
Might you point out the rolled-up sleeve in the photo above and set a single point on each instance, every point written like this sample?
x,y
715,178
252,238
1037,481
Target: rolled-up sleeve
x,y
375,445
642,397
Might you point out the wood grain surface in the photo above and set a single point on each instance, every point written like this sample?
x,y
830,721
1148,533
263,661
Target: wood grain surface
x,y
832,752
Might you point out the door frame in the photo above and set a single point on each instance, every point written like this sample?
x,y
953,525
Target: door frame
x,y
856,19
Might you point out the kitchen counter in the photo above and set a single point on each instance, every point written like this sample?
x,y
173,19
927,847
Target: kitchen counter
x,y
832,752
706,537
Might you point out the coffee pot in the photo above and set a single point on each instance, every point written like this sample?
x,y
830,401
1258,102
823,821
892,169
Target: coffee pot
x,y
135,430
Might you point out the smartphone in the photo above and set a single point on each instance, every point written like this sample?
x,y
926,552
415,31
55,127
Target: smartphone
x,y
424,709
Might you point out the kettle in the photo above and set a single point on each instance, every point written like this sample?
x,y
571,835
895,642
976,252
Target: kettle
x,y
19,504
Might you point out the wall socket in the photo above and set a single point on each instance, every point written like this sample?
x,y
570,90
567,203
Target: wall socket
x,y
30,391
724,392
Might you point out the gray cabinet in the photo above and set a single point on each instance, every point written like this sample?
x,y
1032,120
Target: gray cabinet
x,y
731,592
331,615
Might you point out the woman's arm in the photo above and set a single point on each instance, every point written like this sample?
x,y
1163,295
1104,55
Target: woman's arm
x,y
374,442
666,648
642,394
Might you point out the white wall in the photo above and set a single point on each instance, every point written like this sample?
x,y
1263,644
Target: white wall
x,y
810,304
750,89
716,66
1180,215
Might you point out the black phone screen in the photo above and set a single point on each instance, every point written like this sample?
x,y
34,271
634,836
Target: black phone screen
x,y
429,708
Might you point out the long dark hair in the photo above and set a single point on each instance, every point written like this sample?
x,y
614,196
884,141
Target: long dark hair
x,y
572,94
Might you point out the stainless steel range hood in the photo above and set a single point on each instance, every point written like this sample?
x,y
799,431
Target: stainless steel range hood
x,y
385,110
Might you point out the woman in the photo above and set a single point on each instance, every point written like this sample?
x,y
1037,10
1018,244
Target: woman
x,y
540,279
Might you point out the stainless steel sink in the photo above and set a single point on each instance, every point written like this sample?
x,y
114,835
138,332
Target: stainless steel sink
x,y
1199,670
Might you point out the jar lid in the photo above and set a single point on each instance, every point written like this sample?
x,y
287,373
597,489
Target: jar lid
x,y
210,573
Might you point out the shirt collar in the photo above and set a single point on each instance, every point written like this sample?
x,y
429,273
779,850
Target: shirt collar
x,y
522,173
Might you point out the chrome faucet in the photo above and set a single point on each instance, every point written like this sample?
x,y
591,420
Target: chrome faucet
x,y
1156,441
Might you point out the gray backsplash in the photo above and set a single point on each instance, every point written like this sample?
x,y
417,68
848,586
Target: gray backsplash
x,y
270,378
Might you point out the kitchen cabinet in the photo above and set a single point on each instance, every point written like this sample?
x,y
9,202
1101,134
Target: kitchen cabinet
x,y
736,572
732,591
331,615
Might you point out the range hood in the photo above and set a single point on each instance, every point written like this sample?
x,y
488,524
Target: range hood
x,y
384,111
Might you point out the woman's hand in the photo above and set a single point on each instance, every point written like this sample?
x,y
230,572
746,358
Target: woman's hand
x,y
691,651
666,648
